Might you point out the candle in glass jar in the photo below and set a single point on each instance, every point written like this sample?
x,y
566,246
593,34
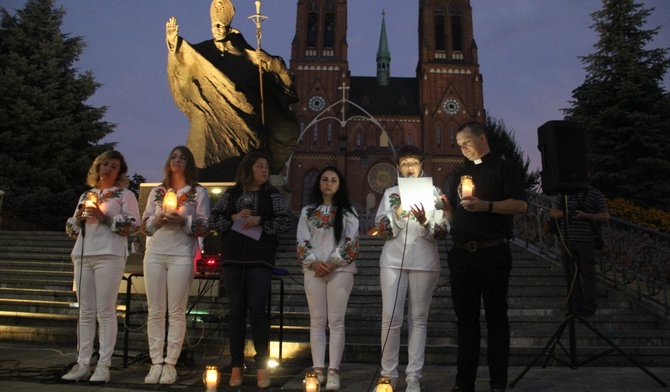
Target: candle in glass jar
x,y
467,187
211,377
170,202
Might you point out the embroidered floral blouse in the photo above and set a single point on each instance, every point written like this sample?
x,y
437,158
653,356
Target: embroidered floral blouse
x,y
192,204
120,205
408,243
316,238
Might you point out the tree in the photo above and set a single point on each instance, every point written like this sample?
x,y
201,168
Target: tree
x,y
624,107
48,134
503,143
135,181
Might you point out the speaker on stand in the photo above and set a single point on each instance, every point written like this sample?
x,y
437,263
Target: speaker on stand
x,y
563,148
565,171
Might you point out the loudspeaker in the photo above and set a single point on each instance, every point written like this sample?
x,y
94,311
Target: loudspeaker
x,y
563,148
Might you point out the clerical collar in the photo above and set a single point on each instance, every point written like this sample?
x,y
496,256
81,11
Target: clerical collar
x,y
477,161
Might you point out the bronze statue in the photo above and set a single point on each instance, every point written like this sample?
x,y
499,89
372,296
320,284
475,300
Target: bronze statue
x,y
217,84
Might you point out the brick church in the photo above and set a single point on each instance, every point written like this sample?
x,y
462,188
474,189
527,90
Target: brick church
x,y
356,122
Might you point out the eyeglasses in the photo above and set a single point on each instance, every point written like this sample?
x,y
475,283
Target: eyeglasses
x,y
406,164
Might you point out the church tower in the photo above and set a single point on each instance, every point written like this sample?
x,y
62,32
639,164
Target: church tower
x,y
383,56
450,85
319,63
382,112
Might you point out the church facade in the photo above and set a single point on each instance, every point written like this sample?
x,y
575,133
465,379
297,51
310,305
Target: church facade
x,y
356,123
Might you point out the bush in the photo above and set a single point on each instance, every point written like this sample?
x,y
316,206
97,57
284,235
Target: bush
x,y
651,218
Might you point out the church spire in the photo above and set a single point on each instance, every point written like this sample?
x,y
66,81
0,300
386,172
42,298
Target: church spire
x,y
383,56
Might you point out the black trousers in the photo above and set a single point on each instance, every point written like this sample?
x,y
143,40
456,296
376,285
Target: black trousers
x,y
475,276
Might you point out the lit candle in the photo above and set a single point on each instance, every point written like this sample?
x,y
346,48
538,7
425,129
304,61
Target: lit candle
x,y
91,201
170,201
384,385
211,377
467,187
311,383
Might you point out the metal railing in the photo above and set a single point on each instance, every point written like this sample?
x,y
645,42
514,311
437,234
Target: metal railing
x,y
635,260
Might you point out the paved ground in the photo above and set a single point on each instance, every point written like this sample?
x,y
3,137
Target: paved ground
x,y
25,367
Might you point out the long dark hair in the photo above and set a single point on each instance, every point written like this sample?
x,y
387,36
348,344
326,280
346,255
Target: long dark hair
x,y
341,200
245,173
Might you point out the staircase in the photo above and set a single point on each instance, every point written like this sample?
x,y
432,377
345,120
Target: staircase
x,y
36,300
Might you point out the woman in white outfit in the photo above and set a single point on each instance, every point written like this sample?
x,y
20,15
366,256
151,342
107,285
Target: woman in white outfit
x,y
409,263
99,256
327,247
168,260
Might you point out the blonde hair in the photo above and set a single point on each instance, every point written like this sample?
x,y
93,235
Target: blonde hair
x,y
93,176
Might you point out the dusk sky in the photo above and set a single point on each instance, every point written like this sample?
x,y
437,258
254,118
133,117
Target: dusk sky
x,y
528,54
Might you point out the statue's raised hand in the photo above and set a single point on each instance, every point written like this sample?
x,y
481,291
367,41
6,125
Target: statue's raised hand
x,y
171,32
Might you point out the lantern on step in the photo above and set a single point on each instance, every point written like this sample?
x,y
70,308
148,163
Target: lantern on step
x,y
211,378
170,201
384,385
311,383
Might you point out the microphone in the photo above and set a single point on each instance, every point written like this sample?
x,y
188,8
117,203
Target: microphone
x,y
439,203
82,223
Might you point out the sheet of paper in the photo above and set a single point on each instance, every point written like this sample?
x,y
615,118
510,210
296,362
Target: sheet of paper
x,y
414,191
252,232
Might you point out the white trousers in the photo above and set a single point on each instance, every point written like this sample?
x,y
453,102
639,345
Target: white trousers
x,y
327,298
97,281
167,280
395,284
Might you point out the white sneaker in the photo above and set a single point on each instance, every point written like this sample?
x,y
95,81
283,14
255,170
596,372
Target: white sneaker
x,y
154,374
100,376
320,376
333,383
168,375
78,372
413,386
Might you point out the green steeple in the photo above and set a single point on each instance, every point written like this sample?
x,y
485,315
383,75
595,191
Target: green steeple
x,y
383,56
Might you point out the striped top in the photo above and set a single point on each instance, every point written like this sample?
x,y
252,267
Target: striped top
x,y
591,201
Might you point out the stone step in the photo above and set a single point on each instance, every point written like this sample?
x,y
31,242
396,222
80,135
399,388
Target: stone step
x,y
36,293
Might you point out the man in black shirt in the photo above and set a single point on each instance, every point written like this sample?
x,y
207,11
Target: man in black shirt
x,y
480,259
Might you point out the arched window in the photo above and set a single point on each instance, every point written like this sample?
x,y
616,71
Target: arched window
x,y
312,29
438,135
456,33
329,133
358,138
453,137
315,133
440,31
409,139
329,34
307,183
